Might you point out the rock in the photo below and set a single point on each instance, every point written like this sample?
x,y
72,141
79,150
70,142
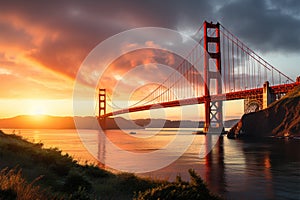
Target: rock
x,y
280,119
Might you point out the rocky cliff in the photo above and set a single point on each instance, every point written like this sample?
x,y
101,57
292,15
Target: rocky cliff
x,y
281,118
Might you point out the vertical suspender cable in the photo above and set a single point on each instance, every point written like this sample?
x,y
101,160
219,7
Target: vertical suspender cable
x,y
232,51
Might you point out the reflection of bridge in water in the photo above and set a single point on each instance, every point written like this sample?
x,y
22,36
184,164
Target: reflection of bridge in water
x,y
231,168
219,68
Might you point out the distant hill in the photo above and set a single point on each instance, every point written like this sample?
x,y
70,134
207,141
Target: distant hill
x,y
281,118
54,122
154,123
37,122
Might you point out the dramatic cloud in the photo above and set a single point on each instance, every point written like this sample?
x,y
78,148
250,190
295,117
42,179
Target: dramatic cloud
x,y
268,26
59,34
136,68
43,43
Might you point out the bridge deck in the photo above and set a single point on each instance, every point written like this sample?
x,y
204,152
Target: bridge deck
x,y
199,100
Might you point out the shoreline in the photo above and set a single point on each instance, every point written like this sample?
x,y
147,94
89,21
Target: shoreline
x,y
49,174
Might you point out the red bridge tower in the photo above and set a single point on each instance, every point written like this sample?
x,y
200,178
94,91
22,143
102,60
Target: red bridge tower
x,y
212,74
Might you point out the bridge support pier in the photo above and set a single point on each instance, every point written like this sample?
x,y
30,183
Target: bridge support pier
x,y
253,104
213,109
102,123
268,97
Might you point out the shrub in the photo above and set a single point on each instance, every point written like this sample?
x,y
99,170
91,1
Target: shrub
x,y
95,171
75,182
130,182
81,194
195,189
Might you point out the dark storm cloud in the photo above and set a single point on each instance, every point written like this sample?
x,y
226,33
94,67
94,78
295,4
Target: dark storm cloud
x,y
288,6
106,18
10,35
266,25
67,30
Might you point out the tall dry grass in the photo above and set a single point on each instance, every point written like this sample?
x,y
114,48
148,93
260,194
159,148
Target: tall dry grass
x,y
14,186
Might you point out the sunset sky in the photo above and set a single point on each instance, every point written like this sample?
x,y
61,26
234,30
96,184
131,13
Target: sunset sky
x,y
44,43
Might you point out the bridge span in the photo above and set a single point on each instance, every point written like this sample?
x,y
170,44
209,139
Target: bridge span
x,y
229,70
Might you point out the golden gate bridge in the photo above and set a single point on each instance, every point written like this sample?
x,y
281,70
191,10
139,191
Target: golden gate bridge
x,y
229,70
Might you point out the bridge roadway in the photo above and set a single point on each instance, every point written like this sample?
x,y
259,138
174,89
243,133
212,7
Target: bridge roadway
x,y
284,88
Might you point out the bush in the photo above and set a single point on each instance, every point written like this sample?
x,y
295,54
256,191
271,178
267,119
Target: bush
x,y
81,194
130,182
96,172
180,190
75,182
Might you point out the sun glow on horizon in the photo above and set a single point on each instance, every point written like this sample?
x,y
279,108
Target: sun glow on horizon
x,y
38,110
35,107
38,107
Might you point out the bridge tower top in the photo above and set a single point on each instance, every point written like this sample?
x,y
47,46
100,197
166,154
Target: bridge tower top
x,y
102,102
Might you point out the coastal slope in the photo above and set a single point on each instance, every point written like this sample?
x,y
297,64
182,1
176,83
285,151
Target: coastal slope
x,y
281,118
30,171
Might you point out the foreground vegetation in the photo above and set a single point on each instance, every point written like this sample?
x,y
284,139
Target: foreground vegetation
x,y
29,171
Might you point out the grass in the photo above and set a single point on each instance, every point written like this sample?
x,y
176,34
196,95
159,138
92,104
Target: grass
x,y
14,186
29,171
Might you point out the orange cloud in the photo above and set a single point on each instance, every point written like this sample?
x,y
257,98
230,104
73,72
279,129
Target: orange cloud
x,y
136,68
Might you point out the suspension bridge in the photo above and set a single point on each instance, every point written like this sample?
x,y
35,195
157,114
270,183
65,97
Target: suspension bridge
x,y
220,68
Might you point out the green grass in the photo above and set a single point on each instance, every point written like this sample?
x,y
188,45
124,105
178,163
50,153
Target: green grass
x,y
29,171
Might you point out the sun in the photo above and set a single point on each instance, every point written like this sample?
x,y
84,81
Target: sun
x,y
37,110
